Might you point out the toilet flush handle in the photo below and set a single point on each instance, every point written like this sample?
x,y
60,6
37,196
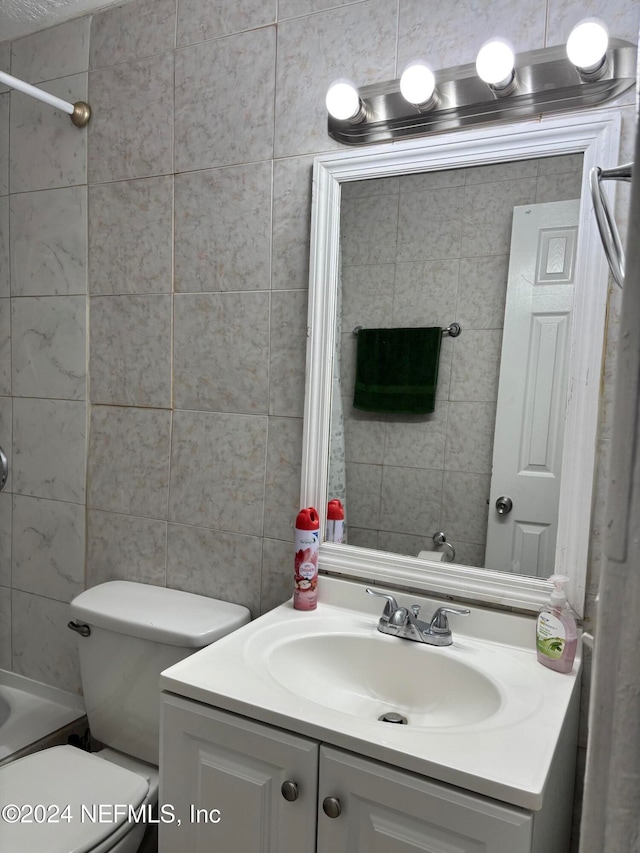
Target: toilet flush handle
x,y
80,628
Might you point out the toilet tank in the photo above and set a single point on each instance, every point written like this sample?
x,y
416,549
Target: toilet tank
x,y
136,631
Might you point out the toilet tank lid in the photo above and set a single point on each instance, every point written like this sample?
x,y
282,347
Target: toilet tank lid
x,y
157,613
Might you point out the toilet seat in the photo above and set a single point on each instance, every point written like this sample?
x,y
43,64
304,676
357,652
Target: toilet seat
x,y
65,776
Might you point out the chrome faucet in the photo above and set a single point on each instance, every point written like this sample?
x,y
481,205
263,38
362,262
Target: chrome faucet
x,y
401,622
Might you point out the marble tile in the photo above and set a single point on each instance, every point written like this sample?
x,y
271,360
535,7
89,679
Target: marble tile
x,y
49,347
425,293
223,86
128,464
437,180
298,8
5,628
48,547
488,213
361,537
403,543
130,350
482,292
221,352
494,172
132,31
367,296
560,163
125,547
277,574
218,470
369,232
55,52
364,433
288,353
199,20
131,130
131,236
469,553
5,62
622,18
411,500
429,224
455,39
364,484
372,187
49,654
417,441
355,41
6,437
49,449
4,143
6,504
46,149
475,370
465,508
282,483
216,564
49,242
5,347
291,223
223,229
5,287
560,187
469,444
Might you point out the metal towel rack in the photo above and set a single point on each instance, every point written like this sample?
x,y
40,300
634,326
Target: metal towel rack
x,y
453,330
609,234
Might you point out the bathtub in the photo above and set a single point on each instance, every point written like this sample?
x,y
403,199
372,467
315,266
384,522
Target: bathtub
x,y
33,715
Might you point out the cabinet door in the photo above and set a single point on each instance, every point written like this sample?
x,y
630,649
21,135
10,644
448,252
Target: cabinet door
x,y
223,775
389,811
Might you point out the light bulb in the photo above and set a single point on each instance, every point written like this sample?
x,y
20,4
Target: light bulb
x,y
495,62
587,45
343,101
418,83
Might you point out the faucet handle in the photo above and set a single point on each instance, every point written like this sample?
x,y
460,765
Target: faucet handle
x,y
439,623
390,607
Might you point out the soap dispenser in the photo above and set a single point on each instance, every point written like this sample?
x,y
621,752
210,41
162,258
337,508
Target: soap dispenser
x,y
556,630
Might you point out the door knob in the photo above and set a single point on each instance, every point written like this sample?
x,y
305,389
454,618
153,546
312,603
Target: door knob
x,y
504,505
331,807
289,791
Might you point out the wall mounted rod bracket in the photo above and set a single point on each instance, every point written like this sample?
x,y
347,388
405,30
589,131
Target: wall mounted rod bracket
x,y
79,113
547,82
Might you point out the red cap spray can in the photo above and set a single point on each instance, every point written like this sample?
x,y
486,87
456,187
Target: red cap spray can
x,y
307,540
335,521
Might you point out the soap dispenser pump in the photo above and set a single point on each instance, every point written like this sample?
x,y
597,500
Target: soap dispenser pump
x,y
556,630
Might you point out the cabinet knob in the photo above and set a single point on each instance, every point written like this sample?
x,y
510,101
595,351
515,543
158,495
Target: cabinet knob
x,y
289,791
331,807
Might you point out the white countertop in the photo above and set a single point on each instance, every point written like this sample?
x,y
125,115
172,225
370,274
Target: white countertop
x,y
506,756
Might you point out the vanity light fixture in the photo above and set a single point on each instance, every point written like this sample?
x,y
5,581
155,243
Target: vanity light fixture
x,y
500,86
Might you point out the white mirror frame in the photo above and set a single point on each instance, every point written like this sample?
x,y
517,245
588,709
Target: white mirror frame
x,y
597,136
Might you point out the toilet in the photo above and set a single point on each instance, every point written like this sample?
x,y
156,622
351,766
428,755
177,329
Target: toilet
x,y
101,802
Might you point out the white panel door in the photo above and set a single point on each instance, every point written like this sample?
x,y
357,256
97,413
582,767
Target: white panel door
x,y
390,811
532,392
223,776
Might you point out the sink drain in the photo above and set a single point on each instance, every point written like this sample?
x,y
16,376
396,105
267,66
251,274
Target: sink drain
x,y
392,717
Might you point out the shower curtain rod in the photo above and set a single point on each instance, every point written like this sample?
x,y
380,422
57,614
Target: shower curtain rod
x,y
79,113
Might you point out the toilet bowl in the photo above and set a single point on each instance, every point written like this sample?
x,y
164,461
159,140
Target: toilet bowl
x,y
66,800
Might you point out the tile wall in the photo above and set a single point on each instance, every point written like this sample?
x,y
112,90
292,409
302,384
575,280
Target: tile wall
x,y
430,250
194,179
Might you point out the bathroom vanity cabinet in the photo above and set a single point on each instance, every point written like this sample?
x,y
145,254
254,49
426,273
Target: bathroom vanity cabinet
x,y
237,784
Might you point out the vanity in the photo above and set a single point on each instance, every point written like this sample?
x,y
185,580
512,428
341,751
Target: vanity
x,y
272,737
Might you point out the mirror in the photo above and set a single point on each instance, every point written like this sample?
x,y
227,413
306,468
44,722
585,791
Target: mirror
x,y
595,136
460,250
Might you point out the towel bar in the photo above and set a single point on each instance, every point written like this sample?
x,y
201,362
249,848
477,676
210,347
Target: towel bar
x,y
453,330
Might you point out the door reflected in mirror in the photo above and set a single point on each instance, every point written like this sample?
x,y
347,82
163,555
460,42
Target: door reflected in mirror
x,y
492,248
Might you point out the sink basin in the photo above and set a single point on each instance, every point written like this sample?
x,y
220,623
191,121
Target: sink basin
x,y
368,676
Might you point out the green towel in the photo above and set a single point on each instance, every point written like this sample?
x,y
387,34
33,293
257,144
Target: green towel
x,y
397,370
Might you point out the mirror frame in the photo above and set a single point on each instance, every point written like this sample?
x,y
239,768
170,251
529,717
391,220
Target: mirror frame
x,y
596,134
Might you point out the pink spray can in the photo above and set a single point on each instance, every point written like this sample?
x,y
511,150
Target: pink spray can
x,y
307,539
